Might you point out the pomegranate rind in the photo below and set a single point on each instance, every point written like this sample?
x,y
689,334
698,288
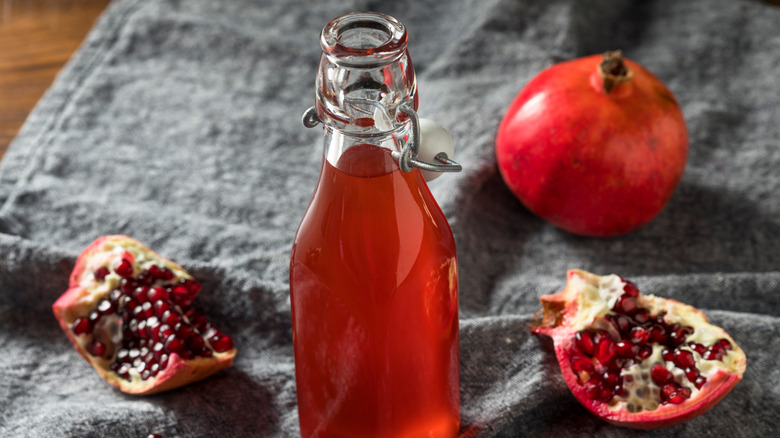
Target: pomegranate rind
x,y
562,319
84,293
588,162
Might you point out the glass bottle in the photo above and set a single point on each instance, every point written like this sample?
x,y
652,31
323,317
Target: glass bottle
x,y
373,271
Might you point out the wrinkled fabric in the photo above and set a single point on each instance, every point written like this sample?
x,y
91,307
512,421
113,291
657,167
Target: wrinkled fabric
x,y
178,123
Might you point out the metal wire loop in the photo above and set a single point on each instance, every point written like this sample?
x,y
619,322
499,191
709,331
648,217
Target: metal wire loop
x,y
407,157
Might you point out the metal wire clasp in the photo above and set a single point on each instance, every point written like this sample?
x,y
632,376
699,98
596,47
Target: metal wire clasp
x,y
407,156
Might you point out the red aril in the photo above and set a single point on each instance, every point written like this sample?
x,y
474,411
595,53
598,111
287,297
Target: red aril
x,y
128,312
596,148
652,381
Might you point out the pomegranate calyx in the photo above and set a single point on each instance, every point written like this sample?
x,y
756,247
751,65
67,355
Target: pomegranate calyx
x,y
613,71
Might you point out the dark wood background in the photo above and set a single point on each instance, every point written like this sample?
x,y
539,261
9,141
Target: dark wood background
x,y
37,37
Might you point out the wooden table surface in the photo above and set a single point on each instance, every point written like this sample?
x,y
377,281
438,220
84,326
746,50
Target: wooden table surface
x,y
37,37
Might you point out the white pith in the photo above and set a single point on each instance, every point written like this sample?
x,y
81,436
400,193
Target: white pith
x,y
595,299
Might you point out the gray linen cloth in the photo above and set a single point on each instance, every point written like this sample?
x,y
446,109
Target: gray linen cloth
x,y
178,123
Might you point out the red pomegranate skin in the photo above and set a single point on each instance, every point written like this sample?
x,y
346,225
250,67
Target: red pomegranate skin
x,y
590,162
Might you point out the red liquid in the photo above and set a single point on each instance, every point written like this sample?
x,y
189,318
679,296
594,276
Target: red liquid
x,y
373,281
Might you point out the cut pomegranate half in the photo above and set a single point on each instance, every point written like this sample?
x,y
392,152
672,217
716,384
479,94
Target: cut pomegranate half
x,y
637,360
128,312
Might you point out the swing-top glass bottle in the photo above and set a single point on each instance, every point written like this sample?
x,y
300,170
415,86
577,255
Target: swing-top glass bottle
x,y
373,273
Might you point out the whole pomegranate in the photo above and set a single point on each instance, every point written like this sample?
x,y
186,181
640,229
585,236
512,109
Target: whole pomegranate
x,y
128,312
637,360
595,146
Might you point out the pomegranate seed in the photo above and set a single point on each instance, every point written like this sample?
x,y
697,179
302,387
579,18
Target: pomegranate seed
x,y
221,343
205,352
160,307
144,279
125,268
151,323
585,342
667,390
691,374
667,355
100,273
171,318
174,344
184,331
645,352
610,379
604,346
195,343
81,326
640,335
149,359
96,348
657,334
677,337
605,394
659,319
141,294
105,307
202,323
163,361
581,363
685,392
711,355
191,285
141,329
699,348
146,374
94,317
677,398
165,332
123,356
699,382
725,344
155,369
148,309
683,359
180,294
626,349
642,316
128,303
630,289
128,285
626,305
157,294
114,296
158,272
661,375
124,371
592,389
624,324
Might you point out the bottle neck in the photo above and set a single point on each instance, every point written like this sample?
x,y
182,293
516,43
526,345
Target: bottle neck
x,y
365,74
364,155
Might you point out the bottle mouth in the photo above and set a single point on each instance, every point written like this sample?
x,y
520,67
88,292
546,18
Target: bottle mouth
x,y
364,39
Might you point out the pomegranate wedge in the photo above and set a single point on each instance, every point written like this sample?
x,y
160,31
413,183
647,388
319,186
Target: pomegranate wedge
x,y
637,360
128,312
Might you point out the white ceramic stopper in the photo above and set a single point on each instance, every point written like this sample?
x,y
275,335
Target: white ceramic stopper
x,y
434,139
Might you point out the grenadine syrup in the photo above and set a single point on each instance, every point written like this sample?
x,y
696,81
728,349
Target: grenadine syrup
x,y
373,281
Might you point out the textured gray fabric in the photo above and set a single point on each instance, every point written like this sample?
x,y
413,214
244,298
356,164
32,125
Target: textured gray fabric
x,y
178,123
